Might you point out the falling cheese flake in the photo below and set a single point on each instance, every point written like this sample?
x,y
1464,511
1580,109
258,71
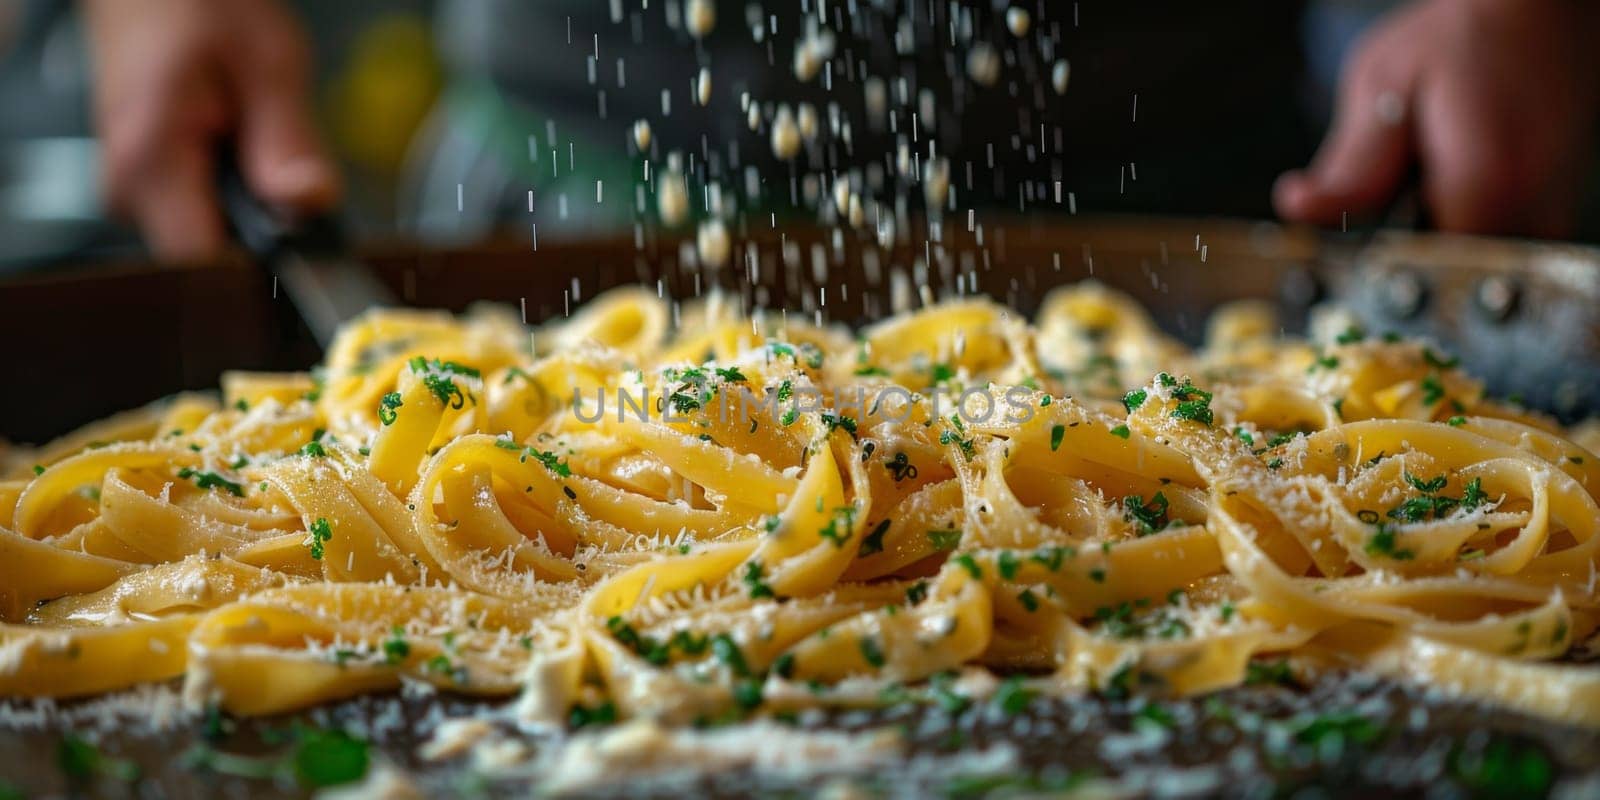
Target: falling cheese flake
x,y
702,87
672,198
1018,20
983,64
1059,75
701,18
712,242
785,135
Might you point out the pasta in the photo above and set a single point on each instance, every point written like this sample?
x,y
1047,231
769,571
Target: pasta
x,y
730,515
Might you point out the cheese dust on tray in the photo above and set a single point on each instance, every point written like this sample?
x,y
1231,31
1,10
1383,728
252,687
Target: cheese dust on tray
x,y
688,517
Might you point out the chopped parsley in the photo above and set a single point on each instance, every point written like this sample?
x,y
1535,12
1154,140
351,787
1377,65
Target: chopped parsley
x,y
436,376
1121,432
1269,673
81,761
871,652
550,460
329,758
1007,563
1330,733
395,648
836,422
1148,517
318,380
439,663
1051,557
747,694
1426,486
968,446
1056,434
1194,404
1505,767
684,402
873,542
752,579
211,480
1432,390
387,406
1124,622
1383,543
944,538
687,642
644,646
839,524
727,651
1134,399
1282,438
583,716
318,535
1013,697
1433,359
1433,505
783,666
966,562
1153,715
1350,335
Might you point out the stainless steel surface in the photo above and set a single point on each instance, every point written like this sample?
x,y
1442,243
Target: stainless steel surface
x,y
330,293
1523,316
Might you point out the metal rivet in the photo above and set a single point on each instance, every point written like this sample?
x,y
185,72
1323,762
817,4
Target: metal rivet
x,y
1404,294
1497,297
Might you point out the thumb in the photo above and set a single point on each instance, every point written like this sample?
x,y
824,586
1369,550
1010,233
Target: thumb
x,y
1361,163
279,149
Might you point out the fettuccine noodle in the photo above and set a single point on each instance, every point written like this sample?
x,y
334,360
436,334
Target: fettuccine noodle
x,y
722,515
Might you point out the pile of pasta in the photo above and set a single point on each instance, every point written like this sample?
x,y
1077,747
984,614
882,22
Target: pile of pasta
x,y
459,502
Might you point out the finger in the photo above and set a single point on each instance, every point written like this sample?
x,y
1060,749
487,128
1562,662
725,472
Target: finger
x,y
1363,160
175,205
157,153
1484,175
279,149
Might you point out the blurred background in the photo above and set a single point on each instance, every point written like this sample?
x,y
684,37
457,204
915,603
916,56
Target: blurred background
x,y
420,97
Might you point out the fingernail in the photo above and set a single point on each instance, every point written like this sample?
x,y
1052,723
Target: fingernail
x,y
1289,192
301,179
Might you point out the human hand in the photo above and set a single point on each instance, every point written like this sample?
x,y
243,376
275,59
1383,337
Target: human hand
x,y
1493,101
176,78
